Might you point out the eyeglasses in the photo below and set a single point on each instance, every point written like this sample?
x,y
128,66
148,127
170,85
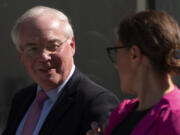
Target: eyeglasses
x,y
112,52
33,50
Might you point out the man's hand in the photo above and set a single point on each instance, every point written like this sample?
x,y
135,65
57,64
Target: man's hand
x,y
96,129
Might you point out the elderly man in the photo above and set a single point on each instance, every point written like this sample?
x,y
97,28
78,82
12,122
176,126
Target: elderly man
x,y
63,101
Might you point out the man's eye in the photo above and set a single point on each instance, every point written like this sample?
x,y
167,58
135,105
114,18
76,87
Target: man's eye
x,y
52,47
31,49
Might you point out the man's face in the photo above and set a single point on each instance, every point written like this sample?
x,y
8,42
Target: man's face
x,y
46,51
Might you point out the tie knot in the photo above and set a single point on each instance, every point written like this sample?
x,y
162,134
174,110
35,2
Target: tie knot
x,y
42,96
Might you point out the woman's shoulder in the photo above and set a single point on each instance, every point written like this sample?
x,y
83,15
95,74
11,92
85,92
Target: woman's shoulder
x,y
169,118
172,99
125,104
123,108
119,113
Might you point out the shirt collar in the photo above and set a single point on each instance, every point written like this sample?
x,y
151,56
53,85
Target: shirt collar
x,y
54,93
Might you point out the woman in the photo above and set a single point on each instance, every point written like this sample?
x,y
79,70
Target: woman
x,y
147,55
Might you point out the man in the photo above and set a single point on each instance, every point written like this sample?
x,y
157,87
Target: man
x,y
69,101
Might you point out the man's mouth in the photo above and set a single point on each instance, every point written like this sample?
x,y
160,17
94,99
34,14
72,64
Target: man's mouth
x,y
45,70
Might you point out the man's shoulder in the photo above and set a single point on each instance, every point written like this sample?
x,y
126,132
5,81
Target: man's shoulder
x,y
90,89
88,85
28,90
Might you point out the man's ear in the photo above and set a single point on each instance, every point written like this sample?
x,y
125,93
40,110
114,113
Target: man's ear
x,y
72,45
136,54
20,55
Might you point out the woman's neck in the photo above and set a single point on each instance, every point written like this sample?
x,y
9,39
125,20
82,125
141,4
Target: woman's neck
x,y
152,89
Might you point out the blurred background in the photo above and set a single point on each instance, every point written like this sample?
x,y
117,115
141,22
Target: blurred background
x,y
94,23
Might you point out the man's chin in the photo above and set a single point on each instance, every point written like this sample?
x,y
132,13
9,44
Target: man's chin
x,y
49,84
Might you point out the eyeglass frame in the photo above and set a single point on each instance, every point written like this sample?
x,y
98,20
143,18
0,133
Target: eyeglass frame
x,y
114,50
30,55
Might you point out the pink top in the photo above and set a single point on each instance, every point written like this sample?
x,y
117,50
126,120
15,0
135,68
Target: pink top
x,y
162,119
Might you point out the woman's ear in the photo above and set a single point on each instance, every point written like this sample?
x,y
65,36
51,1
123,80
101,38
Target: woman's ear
x,y
136,54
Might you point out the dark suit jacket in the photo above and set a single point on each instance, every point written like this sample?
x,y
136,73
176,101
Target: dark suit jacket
x,y
81,102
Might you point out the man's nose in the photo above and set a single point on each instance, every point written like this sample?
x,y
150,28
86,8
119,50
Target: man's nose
x,y
45,54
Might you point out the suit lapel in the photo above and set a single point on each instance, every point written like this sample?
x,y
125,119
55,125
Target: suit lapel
x,y
55,115
23,106
62,104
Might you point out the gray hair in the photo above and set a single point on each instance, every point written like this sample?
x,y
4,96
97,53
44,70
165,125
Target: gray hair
x,y
35,11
